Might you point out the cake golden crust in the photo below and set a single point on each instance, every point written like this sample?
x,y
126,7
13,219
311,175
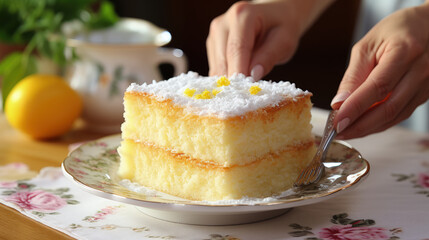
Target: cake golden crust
x,y
265,114
188,160
190,178
235,140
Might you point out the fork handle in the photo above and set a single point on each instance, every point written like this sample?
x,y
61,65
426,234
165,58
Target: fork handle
x,y
328,134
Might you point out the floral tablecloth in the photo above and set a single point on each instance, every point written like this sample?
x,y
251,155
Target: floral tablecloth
x,y
392,203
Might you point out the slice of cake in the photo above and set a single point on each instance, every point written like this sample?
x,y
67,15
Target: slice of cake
x,y
214,138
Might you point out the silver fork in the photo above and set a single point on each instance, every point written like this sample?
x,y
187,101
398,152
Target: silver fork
x,y
314,171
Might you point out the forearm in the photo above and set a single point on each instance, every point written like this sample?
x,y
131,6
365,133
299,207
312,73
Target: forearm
x,y
307,11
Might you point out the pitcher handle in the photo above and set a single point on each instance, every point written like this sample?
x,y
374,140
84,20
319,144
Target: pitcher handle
x,y
174,56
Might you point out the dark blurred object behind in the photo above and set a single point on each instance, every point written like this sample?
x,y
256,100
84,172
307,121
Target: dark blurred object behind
x,y
317,66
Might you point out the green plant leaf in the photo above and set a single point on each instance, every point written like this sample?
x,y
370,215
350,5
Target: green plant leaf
x,y
300,233
72,202
39,214
8,192
58,47
105,17
13,68
61,190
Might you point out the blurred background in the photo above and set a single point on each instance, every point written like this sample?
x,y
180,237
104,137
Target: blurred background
x,y
317,66
320,60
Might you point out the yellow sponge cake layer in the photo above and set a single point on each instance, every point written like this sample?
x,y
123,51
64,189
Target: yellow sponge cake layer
x,y
231,141
214,138
181,175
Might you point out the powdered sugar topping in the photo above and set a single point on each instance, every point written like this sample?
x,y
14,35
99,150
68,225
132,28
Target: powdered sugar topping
x,y
231,100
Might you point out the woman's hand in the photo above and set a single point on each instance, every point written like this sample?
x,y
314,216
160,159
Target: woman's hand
x,y
388,75
252,37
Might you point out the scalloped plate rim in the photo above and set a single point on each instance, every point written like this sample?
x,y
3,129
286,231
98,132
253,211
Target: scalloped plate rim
x,y
195,206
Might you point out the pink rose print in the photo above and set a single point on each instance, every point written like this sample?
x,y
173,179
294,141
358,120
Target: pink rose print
x,y
112,151
37,200
101,214
348,232
423,180
101,144
78,172
8,184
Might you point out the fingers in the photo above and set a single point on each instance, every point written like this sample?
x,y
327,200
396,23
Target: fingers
x,y
364,125
216,47
241,37
231,40
410,92
375,88
251,38
387,77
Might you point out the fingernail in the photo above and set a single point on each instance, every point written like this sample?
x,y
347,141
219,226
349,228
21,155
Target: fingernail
x,y
341,125
257,72
340,97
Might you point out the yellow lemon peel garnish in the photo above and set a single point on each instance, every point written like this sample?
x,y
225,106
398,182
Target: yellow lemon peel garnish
x,y
204,95
189,92
254,90
216,91
223,81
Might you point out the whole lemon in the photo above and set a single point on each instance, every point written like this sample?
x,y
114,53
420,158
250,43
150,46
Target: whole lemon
x,y
42,106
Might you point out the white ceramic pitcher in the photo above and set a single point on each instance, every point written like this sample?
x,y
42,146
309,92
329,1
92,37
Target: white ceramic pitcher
x,y
111,59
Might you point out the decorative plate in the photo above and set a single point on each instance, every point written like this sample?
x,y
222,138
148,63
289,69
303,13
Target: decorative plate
x,y
93,166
